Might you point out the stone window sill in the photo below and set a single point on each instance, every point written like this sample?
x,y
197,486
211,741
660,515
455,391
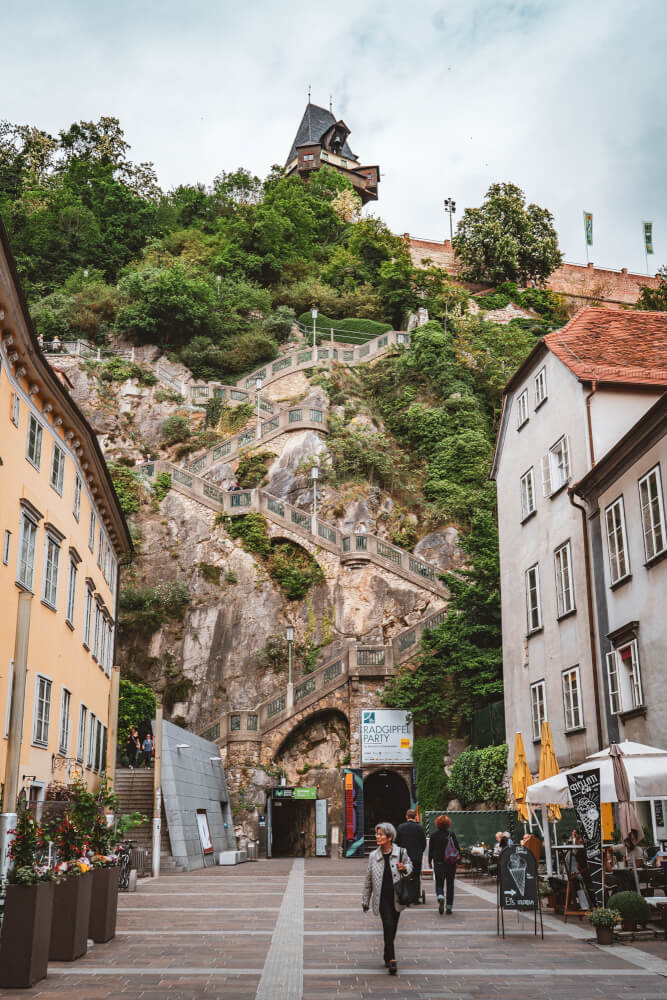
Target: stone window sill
x,y
533,513
566,614
633,713
654,560
535,631
573,732
621,582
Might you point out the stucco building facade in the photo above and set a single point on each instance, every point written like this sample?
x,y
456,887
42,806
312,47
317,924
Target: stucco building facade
x,y
62,536
577,394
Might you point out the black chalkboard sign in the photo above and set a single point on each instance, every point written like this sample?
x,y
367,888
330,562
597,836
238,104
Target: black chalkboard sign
x,y
517,885
517,872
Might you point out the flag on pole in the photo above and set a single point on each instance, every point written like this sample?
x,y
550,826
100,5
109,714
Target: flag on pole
x,y
648,236
588,228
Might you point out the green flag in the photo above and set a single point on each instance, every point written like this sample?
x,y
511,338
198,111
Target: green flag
x,y
588,228
648,236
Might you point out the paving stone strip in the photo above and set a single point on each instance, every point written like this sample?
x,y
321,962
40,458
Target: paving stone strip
x,y
282,975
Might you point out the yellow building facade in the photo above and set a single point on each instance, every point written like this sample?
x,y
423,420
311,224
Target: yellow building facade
x,y
62,537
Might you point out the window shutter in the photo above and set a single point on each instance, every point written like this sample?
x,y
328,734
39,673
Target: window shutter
x,y
566,455
546,474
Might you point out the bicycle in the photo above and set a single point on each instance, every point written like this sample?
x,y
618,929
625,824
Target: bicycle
x,y
125,864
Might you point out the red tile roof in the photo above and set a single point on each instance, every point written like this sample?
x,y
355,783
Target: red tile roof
x,y
615,346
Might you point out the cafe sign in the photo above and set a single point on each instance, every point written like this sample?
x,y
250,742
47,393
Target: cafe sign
x,y
386,737
288,793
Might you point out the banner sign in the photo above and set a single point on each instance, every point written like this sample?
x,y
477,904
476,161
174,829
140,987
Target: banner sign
x,y
386,737
584,789
517,872
353,818
648,236
321,828
588,228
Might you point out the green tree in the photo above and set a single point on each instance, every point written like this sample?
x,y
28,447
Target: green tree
x,y
428,754
507,240
136,707
654,299
165,305
459,668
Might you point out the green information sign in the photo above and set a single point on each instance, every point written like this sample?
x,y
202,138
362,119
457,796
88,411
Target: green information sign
x,y
305,793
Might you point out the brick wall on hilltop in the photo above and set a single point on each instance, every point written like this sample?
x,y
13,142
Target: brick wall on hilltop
x,y
583,284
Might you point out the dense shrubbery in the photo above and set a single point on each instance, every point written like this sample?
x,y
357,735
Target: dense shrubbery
x,y
145,609
175,429
136,707
477,776
359,329
550,305
117,370
428,755
127,487
251,469
294,570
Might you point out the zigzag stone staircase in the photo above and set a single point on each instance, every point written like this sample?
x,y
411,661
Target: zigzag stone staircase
x,y
357,659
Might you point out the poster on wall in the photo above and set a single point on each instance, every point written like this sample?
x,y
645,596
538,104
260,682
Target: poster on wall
x,y
204,832
386,737
584,789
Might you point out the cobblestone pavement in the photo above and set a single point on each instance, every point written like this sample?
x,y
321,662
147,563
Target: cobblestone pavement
x,y
294,930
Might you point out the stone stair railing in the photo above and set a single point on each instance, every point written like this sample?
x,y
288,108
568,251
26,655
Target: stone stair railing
x,y
357,660
289,418
351,548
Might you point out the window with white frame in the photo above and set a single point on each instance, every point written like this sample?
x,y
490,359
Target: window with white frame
x,y
16,408
653,513
533,603
625,682
96,631
522,408
100,548
556,466
51,566
540,386
103,639
527,494
40,732
10,689
34,446
26,560
81,735
574,718
92,729
99,745
564,582
91,531
63,735
5,547
617,542
538,707
71,591
109,657
88,607
58,469
76,504
107,561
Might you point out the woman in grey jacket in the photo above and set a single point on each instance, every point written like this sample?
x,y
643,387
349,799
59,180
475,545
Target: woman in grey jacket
x,y
386,866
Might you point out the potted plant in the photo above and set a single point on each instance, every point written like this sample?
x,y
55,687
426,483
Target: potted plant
x,y
104,904
72,896
26,926
633,909
604,920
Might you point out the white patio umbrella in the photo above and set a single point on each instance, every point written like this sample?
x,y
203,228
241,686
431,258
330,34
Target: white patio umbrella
x,y
646,769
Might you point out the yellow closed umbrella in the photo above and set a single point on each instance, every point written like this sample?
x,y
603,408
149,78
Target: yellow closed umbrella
x,y
549,766
521,778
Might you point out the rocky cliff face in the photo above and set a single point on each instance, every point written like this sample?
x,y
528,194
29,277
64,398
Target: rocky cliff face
x,y
217,656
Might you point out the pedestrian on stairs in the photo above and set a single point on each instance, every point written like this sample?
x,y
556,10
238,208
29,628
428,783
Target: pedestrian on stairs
x,y
386,867
131,748
147,747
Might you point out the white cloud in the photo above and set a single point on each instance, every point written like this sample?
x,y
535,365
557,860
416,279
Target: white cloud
x,y
560,97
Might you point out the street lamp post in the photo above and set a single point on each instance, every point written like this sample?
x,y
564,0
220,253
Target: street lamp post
x,y
314,474
218,279
313,313
258,387
289,634
450,206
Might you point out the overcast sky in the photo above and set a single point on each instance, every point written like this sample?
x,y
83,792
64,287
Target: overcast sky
x,y
563,97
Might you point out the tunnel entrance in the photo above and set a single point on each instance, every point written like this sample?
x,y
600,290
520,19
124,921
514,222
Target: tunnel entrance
x,y
386,800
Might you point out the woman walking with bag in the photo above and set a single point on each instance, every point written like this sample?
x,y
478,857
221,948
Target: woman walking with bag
x,y
443,854
386,886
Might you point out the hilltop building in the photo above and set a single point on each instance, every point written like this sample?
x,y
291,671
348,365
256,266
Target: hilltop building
x,y
63,535
582,617
321,139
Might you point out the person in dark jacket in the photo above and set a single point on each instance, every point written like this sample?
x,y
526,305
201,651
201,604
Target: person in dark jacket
x,y
411,836
443,853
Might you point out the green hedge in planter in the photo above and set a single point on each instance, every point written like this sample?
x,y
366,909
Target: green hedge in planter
x,y
631,906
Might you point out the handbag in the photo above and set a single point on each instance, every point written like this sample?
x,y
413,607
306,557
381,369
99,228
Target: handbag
x,y
402,887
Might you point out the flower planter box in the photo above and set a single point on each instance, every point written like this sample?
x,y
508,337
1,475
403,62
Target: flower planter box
x,y
71,915
605,935
104,904
26,932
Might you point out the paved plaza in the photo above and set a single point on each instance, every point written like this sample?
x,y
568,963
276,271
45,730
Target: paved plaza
x,y
287,929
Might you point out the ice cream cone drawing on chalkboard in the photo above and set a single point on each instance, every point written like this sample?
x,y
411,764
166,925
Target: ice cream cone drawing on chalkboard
x,y
517,869
589,815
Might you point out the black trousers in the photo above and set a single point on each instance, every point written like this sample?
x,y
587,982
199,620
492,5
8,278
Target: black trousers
x,y
414,880
389,915
444,871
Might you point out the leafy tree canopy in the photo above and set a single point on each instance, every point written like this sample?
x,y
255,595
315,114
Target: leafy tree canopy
x,y
654,299
507,240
